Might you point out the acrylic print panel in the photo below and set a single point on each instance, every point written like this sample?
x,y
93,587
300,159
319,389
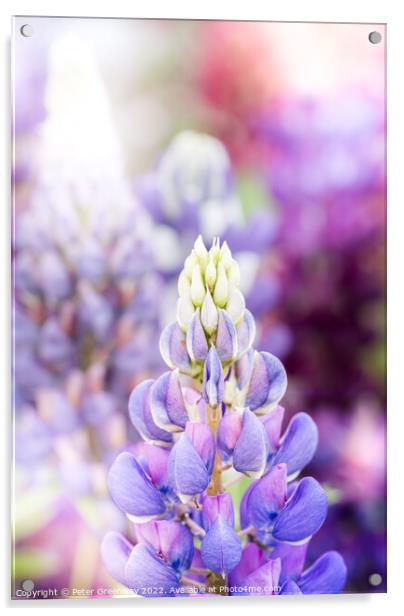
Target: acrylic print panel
x,y
199,308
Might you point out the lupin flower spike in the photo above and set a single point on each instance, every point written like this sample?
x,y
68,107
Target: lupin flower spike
x,y
209,421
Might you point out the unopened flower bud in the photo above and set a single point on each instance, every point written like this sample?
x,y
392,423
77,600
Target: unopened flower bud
x,y
214,251
189,264
184,285
198,291
185,312
233,274
225,255
201,252
236,306
209,315
221,292
210,274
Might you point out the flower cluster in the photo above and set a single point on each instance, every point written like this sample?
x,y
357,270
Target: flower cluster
x,y
212,419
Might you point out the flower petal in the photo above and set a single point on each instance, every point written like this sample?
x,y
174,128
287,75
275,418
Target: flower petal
x,y
272,422
132,490
147,575
243,369
304,512
251,559
246,331
227,434
292,558
326,576
167,403
187,472
221,547
154,460
267,498
236,305
170,540
213,379
115,551
213,506
267,384
226,337
197,344
290,588
251,450
298,444
201,437
141,415
265,580
173,348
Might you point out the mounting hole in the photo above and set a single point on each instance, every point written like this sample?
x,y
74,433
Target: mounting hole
x,y
375,579
27,30
375,37
28,585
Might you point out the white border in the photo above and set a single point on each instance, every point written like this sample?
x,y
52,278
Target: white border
x,y
310,10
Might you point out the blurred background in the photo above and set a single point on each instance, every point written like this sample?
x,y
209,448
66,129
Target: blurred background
x,y
114,178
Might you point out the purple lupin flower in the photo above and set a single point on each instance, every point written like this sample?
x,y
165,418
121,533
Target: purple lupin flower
x,y
214,419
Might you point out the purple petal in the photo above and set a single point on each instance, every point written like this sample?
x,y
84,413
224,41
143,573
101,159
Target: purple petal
x,y
197,563
115,551
155,460
267,498
265,580
244,508
243,369
290,588
132,490
326,576
167,403
197,344
221,547
252,558
213,379
173,348
304,512
292,558
187,472
201,437
226,337
268,382
298,443
245,333
272,422
146,574
141,415
170,540
228,433
251,450
213,506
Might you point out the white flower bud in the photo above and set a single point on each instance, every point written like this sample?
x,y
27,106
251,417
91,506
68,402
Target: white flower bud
x,y
214,252
209,314
210,274
185,312
189,264
184,285
233,274
236,306
201,252
221,292
225,255
197,287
